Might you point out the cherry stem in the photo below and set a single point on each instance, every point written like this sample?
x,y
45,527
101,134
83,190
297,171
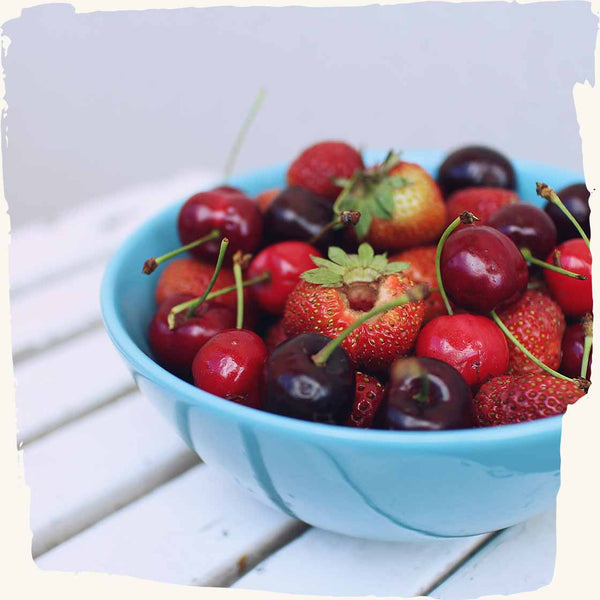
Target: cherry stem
x,y
423,395
238,260
152,263
194,304
465,218
536,261
243,132
414,294
587,344
524,350
346,218
545,191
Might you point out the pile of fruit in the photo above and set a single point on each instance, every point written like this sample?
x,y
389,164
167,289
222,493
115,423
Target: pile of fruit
x,y
380,297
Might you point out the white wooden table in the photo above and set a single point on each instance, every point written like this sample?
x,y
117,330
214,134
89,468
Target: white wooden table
x,y
113,489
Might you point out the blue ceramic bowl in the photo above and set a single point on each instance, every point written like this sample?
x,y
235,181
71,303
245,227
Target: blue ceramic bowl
x,y
383,485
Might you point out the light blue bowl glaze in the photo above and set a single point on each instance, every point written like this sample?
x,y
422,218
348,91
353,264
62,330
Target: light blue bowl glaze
x,y
382,485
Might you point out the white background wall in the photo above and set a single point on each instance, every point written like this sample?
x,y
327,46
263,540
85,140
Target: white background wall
x,y
98,101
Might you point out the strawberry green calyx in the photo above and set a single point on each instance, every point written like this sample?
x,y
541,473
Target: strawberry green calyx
x,y
371,192
344,269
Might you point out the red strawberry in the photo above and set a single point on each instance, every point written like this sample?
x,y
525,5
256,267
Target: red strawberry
x,y
275,335
330,298
483,202
315,168
509,399
421,269
369,393
399,202
538,323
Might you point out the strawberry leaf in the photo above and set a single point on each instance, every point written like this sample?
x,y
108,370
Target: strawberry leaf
x,y
338,256
322,277
362,227
365,254
396,267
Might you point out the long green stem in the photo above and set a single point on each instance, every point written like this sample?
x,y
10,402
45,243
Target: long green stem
x,y
536,261
152,263
194,304
414,294
243,132
524,350
587,344
237,274
545,191
465,218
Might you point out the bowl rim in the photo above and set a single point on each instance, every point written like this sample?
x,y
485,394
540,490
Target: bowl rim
x,y
149,369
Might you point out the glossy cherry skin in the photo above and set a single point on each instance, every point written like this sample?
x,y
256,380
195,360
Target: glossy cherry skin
x,y
572,352
230,365
527,226
232,213
299,214
482,269
576,198
474,345
296,387
573,295
175,349
476,166
424,394
285,262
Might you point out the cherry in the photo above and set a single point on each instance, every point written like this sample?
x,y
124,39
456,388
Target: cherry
x,y
174,349
285,262
476,166
527,226
482,269
576,199
573,344
425,394
472,344
574,296
275,335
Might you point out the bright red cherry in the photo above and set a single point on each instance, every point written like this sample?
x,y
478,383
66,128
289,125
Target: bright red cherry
x,y
573,295
230,365
472,344
175,349
482,269
231,213
285,262
572,352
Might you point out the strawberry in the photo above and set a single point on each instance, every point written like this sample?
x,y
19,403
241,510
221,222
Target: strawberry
x,y
421,269
368,396
331,297
315,168
508,399
400,205
191,276
483,202
538,323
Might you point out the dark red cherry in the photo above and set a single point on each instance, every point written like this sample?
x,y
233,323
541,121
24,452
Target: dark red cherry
x,y
233,214
572,352
576,198
299,214
285,262
527,226
297,387
424,394
474,345
275,335
175,349
230,365
476,166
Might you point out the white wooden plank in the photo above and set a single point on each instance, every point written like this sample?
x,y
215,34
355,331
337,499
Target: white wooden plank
x,y
89,468
57,386
520,559
325,563
92,231
198,529
56,311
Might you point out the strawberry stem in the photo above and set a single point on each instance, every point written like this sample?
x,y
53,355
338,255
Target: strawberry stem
x,y
524,350
414,294
195,303
587,344
545,191
465,218
536,261
243,132
347,218
152,263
